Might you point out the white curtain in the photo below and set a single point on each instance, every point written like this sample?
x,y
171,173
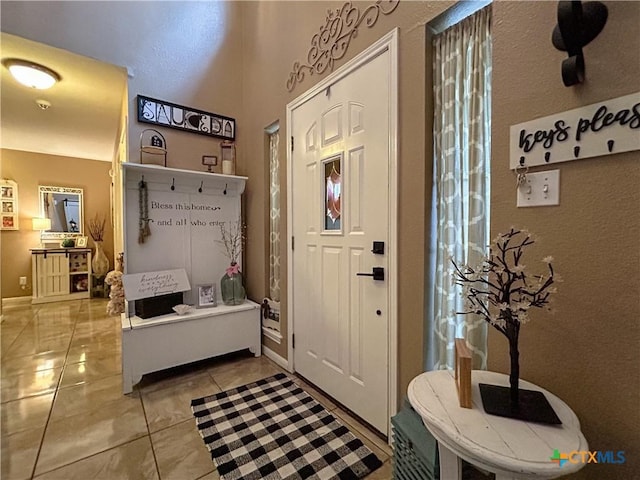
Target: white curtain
x,y
274,217
461,182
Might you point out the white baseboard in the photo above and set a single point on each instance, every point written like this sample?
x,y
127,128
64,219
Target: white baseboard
x,y
11,301
271,355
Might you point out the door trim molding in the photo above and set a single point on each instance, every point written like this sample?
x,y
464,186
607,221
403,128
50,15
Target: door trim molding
x,y
387,43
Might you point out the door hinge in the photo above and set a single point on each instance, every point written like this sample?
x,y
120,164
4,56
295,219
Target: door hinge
x,y
293,341
293,243
292,143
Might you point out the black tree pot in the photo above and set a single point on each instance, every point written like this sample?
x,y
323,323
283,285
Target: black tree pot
x,y
530,406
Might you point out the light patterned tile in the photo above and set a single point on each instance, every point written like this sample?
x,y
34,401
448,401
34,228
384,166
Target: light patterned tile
x,y
18,454
211,476
80,353
84,398
181,453
70,439
242,372
172,404
29,343
33,363
26,414
94,368
29,384
133,460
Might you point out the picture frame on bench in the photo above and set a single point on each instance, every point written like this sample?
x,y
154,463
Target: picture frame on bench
x,y
206,295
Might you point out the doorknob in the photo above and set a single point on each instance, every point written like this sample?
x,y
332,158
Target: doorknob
x,y
378,273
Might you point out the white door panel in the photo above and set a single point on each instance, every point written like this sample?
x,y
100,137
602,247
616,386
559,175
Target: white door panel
x,y
341,320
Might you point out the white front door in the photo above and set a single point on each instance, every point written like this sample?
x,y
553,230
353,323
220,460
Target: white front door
x,y
340,169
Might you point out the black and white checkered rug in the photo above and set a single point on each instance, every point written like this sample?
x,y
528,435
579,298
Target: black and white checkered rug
x,y
272,429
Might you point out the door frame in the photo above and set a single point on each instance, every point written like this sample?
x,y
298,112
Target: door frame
x,y
389,43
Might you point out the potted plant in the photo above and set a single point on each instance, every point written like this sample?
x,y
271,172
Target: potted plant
x,y
231,284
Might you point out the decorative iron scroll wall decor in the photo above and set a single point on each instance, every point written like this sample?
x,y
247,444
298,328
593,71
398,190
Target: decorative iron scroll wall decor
x,y
159,112
332,42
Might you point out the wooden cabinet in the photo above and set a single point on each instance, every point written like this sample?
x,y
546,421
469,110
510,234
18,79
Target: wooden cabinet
x,y
60,274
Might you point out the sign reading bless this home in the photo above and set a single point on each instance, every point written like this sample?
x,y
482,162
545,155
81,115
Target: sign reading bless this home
x,y
603,128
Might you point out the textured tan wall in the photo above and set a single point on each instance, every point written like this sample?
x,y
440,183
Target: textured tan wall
x,y
30,170
275,35
183,52
589,352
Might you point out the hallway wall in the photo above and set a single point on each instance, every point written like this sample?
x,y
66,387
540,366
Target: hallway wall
x,y
588,352
30,170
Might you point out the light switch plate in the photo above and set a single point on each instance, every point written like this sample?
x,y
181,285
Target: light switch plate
x,y
539,189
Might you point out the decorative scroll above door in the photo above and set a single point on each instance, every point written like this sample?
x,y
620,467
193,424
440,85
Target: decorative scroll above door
x,y
332,42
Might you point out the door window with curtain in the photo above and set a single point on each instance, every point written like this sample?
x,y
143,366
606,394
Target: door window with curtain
x,y
461,182
272,319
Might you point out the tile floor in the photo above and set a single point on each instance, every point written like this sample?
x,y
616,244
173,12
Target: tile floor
x,y
63,415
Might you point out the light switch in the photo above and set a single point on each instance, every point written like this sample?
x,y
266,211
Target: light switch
x,y
539,189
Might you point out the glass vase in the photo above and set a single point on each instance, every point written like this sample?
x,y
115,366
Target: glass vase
x,y
99,262
231,286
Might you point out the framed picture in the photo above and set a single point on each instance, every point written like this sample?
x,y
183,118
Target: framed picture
x,y
81,242
8,222
9,204
206,296
209,161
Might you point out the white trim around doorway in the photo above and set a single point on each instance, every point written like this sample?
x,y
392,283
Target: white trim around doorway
x,y
387,43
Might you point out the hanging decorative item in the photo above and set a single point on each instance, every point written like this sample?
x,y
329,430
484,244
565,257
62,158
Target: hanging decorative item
x,y
578,24
332,42
143,204
159,112
153,146
228,157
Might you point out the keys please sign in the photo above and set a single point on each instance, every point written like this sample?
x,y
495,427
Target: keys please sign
x,y
596,130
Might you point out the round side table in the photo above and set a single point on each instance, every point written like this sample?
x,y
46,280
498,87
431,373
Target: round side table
x,y
512,449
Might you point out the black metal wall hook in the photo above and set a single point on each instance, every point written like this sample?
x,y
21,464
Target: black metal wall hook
x,y
200,189
224,192
578,24
173,184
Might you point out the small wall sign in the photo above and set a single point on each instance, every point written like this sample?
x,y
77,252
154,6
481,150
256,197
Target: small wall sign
x,y
152,284
159,112
596,130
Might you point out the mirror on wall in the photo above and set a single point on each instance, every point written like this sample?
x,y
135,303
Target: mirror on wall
x,y
63,206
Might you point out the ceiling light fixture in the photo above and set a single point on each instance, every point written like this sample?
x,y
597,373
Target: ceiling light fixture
x,y
31,74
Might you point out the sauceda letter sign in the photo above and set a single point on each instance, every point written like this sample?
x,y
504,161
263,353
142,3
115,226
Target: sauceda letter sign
x,y
604,128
